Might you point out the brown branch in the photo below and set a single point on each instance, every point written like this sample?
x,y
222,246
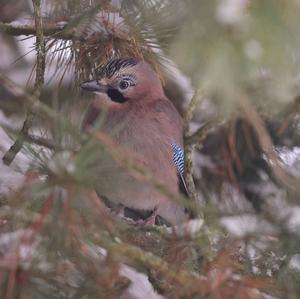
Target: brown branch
x,y
17,146
40,48
49,29
39,81
75,28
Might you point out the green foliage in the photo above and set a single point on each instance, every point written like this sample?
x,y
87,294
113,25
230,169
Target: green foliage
x,y
242,47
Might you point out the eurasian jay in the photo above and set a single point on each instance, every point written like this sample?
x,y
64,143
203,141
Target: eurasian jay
x,y
150,127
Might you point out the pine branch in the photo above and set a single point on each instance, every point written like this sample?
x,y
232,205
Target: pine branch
x,y
71,29
49,29
198,137
188,147
39,81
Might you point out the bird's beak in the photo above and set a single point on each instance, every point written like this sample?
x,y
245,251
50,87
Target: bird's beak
x,y
93,85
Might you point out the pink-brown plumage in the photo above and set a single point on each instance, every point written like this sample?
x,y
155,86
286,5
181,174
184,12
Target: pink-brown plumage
x,y
146,123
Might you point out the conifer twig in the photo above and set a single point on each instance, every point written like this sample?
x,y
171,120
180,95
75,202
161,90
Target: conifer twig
x,y
16,29
39,81
72,28
192,140
197,137
188,147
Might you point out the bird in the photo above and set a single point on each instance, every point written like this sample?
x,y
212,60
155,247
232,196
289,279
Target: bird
x,y
149,125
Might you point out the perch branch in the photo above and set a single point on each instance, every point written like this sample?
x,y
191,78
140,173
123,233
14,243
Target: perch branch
x,y
39,81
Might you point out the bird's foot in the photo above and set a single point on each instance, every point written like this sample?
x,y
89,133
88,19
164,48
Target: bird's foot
x,y
151,220
118,210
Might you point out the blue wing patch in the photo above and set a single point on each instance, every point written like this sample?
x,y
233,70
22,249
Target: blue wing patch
x,y
178,158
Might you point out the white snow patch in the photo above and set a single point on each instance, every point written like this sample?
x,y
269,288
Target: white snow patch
x,y
294,219
241,226
295,262
291,159
140,286
268,296
191,227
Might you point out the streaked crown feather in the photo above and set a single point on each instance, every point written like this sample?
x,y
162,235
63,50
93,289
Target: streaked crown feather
x,y
116,65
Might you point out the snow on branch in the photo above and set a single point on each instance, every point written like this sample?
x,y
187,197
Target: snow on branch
x,y
103,24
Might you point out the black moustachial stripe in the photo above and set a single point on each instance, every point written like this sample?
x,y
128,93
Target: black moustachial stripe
x,y
115,65
116,96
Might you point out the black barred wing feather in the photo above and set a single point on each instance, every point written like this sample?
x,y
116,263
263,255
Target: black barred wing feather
x,y
178,159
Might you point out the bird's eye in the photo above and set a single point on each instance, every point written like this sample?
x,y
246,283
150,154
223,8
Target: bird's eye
x,y
124,84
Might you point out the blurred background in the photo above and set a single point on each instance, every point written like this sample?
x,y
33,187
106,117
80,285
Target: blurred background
x,y
231,67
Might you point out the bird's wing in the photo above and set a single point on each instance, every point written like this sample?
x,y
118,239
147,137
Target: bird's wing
x,y
178,159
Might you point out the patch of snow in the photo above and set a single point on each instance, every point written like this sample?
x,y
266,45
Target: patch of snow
x,y
140,286
247,224
290,159
231,200
268,296
191,227
295,262
293,219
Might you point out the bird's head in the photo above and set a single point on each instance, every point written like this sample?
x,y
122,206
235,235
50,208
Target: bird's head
x,y
126,79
